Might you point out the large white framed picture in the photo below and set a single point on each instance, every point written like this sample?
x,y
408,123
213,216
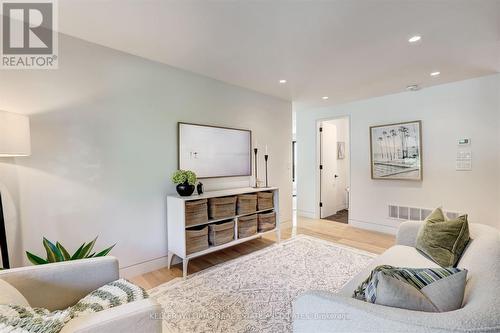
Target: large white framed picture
x,y
213,151
396,151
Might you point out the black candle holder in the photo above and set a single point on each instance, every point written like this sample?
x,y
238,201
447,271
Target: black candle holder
x,y
255,151
266,157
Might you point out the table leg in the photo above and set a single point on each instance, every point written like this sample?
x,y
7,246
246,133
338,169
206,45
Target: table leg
x,y
169,259
185,262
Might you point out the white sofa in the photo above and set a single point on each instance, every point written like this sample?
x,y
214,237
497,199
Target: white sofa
x,y
317,311
60,285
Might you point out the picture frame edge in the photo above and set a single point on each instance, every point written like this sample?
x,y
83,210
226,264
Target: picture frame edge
x,y
180,123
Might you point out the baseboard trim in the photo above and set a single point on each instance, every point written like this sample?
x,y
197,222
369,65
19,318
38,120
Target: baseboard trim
x,y
341,207
307,214
386,229
144,267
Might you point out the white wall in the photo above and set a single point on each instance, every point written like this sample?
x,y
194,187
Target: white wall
x,y
469,109
104,144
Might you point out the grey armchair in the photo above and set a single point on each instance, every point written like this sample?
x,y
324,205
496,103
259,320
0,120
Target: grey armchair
x,y
59,285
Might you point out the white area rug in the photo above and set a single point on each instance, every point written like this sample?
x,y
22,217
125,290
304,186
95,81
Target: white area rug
x,y
254,293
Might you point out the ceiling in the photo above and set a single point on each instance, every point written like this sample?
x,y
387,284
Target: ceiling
x,y
347,50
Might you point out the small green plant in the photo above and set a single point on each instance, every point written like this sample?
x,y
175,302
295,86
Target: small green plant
x,y
57,252
184,176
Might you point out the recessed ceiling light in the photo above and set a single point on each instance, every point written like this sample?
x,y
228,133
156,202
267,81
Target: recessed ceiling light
x,y
415,39
282,81
435,73
325,97
413,87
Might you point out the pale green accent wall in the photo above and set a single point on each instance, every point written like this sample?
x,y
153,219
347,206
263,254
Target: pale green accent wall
x,y
104,143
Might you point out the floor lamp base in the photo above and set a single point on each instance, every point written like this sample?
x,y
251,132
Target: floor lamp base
x,y
3,238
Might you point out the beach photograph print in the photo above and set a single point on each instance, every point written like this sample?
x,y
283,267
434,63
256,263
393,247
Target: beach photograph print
x,y
396,151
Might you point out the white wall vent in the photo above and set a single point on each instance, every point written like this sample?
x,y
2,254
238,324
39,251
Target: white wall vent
x,y
406,213
393,212
452,215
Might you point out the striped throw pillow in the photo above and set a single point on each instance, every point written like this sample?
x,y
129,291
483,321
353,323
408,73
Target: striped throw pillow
x,y
20,318
359,293
416,277
108,296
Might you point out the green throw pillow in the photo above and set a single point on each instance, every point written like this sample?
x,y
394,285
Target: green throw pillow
x,y
443,240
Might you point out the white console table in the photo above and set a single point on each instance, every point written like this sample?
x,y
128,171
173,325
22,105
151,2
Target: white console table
x,y
177,224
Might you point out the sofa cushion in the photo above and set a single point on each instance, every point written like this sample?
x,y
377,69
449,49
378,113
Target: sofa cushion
x,y
443,240
396,293
10,295
398,255
420,289
447,294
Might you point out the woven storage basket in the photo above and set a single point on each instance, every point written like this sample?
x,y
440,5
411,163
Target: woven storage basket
x,y
247,226
267,221
265,200
219,208
196,212
246,204
221,233
196,240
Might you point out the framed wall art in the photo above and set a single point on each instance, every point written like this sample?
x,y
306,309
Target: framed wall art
x,y
396,151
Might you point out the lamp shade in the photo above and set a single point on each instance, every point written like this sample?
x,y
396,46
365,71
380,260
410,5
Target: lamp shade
x,y
14,135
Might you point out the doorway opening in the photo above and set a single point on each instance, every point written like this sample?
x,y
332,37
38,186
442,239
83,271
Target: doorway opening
x,y
334,169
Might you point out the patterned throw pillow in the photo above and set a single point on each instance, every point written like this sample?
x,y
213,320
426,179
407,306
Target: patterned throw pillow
x,y
23,319
15,318
421,289
359,293
108,296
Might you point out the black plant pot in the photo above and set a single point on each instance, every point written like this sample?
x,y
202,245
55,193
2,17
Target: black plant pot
x,y
185,190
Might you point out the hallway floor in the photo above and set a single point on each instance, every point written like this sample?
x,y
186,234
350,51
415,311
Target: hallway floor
x,y
342,216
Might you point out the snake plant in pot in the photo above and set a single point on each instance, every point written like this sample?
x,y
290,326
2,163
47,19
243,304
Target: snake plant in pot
x,y
56,252
185,181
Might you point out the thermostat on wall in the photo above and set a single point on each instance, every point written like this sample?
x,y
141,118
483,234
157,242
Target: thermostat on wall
x,y
464,142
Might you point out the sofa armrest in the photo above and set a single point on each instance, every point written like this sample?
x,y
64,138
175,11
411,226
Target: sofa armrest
x,y
136,317
59,285
320,311
407,233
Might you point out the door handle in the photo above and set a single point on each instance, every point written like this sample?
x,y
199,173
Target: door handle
x,y
336,176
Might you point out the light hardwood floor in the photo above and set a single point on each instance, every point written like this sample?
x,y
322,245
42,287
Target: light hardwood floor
x,y
332,231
